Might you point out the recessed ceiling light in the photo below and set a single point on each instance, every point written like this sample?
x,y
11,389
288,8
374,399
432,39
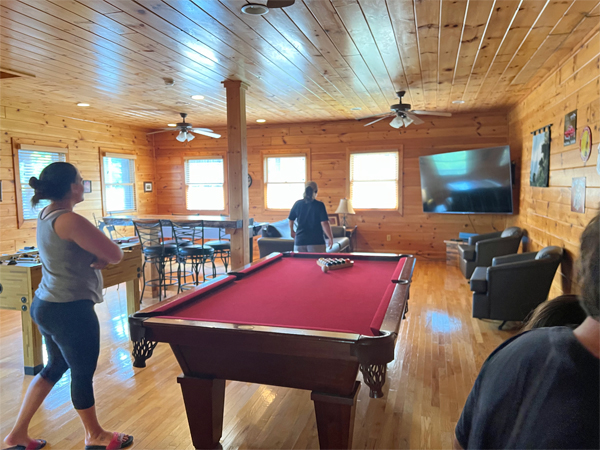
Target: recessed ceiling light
x,y
356,108
261,120
458,102
254,9
172,125
198,97
83,104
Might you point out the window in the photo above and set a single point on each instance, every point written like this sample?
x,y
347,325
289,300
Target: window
x,y
31,163
374,180
205,184
285,177
119,182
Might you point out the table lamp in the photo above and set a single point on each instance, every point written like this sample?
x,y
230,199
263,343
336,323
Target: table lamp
x,y
345,208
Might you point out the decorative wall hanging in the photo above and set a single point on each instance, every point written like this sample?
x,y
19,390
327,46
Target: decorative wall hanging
x,y
578,195
147,186
571,128
585,144
87,186
540,158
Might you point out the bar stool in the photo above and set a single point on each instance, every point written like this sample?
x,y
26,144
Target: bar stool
x,y
186,235
222,248
156,252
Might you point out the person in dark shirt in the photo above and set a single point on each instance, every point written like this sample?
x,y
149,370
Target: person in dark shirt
x,y
313,221
541,389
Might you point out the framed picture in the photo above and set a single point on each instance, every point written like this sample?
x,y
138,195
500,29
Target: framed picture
x,y
585,148
334,220
540,159
87,186
578,195
571,128
147,186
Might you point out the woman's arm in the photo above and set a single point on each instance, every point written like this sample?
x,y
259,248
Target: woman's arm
x,y
75,228
292,232
327,230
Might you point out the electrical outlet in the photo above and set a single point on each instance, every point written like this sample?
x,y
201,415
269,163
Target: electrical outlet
x,y
389,237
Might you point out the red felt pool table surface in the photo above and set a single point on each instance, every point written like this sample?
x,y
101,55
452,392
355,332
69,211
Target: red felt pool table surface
x,y
294,292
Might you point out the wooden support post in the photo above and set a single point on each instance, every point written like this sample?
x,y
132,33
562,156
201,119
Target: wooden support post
x,y
237,158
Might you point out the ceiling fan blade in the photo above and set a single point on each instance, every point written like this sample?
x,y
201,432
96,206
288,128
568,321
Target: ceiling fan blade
x,y
164,130
414,118
377,120
279,3
208,133
433,113
199,130
375,115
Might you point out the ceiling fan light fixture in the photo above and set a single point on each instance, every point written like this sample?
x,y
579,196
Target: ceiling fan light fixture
x,y
407,121
254,9
182,136
397,122
190,136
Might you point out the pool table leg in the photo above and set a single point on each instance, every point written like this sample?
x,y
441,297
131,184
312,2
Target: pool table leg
x,y
204,401
335,418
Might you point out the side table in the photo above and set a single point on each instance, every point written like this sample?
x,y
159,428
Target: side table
x,y
351,234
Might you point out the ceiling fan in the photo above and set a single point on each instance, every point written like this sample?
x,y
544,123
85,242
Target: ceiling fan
x,y
186,129
257,9
403,115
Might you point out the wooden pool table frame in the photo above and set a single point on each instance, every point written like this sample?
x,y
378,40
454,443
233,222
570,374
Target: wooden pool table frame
x,y
325,363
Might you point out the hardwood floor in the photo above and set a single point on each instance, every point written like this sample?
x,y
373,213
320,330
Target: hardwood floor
x,y
438,355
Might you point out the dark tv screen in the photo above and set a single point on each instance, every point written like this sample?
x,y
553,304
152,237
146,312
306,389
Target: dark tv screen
x,y
467,182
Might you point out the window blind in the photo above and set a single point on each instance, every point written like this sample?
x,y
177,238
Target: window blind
x,y
31,164
205,184
119,183
285,177
374,180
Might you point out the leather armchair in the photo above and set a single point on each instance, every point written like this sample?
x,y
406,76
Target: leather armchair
x,y
514,285
276,237
482,248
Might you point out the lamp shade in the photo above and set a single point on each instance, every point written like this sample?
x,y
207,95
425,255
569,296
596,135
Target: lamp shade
x,y
345,207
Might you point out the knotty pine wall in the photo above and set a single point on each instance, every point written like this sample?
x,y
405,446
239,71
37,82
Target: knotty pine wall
x,y
85,141
327,144
546,212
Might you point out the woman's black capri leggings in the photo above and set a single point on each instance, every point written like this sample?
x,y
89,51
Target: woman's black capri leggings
x,y
72,334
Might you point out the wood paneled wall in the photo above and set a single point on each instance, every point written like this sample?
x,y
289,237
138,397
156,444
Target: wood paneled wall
x,y
85,140
327,143
546,212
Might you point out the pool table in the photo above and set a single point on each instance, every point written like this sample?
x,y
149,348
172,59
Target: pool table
x,y
283,321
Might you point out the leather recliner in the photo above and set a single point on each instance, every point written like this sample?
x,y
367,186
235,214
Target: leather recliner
x,y
514,285
482,248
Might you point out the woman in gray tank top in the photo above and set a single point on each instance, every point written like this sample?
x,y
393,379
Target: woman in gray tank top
x,y
72,252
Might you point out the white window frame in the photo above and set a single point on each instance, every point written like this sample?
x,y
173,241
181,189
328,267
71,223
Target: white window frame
x,y
225,184
400,180
17,146
277,154
130,156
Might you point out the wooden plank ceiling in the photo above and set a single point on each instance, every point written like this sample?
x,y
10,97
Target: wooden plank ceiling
x,y
317,60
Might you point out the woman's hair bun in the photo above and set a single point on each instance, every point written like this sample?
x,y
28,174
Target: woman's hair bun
x,y
34,183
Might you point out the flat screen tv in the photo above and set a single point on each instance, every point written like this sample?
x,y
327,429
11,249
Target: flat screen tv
x,y
467,182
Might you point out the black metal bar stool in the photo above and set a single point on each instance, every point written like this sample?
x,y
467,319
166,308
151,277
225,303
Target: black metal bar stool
x,y
186,235
222,248
156,252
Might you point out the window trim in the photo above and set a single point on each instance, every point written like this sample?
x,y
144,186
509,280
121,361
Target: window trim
x,y
116,153
379,149
214,155
282,153
24,144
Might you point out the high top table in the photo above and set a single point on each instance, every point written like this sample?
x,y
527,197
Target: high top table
x,y
224,222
